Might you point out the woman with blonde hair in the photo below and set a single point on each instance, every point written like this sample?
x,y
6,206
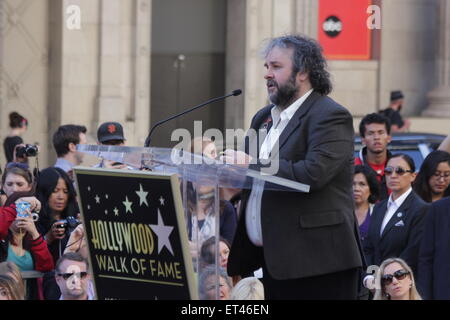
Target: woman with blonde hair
x,y
11,269
248,289
395,281
9,289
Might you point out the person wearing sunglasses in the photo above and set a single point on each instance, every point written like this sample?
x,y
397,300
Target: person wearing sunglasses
x,y
397,223
73,278
395,281
433,180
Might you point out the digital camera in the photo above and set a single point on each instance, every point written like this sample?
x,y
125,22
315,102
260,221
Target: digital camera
x,y
22,209
70,223
29,150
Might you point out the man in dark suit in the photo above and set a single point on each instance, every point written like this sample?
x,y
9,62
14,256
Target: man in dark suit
x,y
306,243
434,257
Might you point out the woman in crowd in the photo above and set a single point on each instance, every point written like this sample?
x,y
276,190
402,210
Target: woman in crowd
x,y
208,284
58,198
202,218
18,125
397,222
22,244
433,180
10,269
366,192
207,252
395,281
9,289
248,289
16,180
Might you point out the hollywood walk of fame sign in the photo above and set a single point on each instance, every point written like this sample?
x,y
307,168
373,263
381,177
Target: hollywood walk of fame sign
x,y
137,237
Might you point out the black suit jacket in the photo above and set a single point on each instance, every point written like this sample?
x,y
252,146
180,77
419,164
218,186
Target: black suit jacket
x,y
434,257
305,234
402,235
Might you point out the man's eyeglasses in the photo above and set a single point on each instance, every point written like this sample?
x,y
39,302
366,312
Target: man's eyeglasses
x,y
399,170
66,276
444,175
399,275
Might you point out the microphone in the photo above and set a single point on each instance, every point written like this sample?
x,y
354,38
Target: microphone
x,y
234,93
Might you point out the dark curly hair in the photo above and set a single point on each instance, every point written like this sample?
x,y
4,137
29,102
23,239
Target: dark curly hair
x,y
429,166
374,118
372,181
307,57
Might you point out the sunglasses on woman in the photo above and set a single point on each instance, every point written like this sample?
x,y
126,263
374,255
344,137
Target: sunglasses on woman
x,y
66,276
399,275
19,165
398,170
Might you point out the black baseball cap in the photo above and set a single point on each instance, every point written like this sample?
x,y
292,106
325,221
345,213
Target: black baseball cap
x,y
110,131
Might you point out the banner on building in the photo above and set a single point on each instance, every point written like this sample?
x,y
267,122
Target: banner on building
x,y
343,31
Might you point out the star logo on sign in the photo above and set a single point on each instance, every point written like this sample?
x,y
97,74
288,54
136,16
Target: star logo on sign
x,y
162,232
161,200
127,205
142,196
116,211
97,198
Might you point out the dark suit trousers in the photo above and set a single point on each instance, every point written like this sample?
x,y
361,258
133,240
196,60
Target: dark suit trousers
x,y
343,285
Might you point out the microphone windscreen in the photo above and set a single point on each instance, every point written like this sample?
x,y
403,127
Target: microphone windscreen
x,y
237,92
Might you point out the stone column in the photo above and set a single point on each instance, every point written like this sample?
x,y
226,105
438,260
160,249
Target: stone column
x,y
110,101
440,97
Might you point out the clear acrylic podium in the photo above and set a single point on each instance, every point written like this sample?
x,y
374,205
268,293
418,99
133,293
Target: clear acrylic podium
x,y
201,180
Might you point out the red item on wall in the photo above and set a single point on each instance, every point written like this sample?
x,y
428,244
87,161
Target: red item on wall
x,y
343,31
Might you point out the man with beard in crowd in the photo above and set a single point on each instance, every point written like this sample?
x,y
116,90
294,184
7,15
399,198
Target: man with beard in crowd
x,y
306,243
393,113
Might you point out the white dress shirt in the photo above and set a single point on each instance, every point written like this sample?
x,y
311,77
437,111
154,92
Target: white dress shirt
x,y
280,120
392,207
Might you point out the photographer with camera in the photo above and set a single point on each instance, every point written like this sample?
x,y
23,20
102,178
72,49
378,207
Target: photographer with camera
x,y
18,125
17,185
21,243
59,207
57,218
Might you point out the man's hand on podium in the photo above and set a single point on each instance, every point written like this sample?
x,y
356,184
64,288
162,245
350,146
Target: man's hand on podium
x,y
239,158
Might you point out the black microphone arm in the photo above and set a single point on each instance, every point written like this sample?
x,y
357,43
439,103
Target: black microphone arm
x,y
148,140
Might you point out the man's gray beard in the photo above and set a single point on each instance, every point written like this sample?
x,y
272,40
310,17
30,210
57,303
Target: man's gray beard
x,y
285,94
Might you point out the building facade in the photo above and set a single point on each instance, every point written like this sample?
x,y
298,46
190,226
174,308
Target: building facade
x,y
139,61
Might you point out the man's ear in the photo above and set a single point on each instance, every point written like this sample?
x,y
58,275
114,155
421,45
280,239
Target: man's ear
x,y
302,76
72,147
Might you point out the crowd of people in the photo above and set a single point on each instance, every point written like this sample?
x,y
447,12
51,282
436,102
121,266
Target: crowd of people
x,y
403,211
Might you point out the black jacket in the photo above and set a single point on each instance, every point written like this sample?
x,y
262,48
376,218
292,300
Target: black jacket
x,y
434,257
306,234
402,235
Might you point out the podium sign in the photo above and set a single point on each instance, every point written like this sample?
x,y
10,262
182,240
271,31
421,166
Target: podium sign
x,y
136,234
